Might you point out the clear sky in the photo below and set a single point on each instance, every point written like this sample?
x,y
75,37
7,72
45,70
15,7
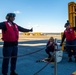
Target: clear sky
x,y
42,15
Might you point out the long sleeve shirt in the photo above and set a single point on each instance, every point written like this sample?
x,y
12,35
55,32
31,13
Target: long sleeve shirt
x,y
21,29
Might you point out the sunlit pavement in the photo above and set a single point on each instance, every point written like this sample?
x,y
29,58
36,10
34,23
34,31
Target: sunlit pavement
x,y
27,65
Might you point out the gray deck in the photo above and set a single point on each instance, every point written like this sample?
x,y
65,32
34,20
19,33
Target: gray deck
x,y
27,65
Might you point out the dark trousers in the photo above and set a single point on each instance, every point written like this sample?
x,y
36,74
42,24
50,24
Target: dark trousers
x,y
48,50
71,45
9,52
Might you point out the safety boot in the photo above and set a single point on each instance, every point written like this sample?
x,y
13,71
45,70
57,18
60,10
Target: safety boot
x,y
70,60
13,73
75,59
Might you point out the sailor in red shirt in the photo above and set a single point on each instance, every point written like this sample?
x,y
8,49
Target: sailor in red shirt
x,y
10,36
70,36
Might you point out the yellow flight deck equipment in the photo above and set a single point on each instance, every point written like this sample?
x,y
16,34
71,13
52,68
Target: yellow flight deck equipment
x,y
37,33
71,16
72,13
34,33
26,33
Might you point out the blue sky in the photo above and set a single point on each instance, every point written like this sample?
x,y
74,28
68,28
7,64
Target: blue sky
x,y
42,15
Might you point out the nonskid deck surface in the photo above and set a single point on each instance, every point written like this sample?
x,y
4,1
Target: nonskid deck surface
x,y
27,65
